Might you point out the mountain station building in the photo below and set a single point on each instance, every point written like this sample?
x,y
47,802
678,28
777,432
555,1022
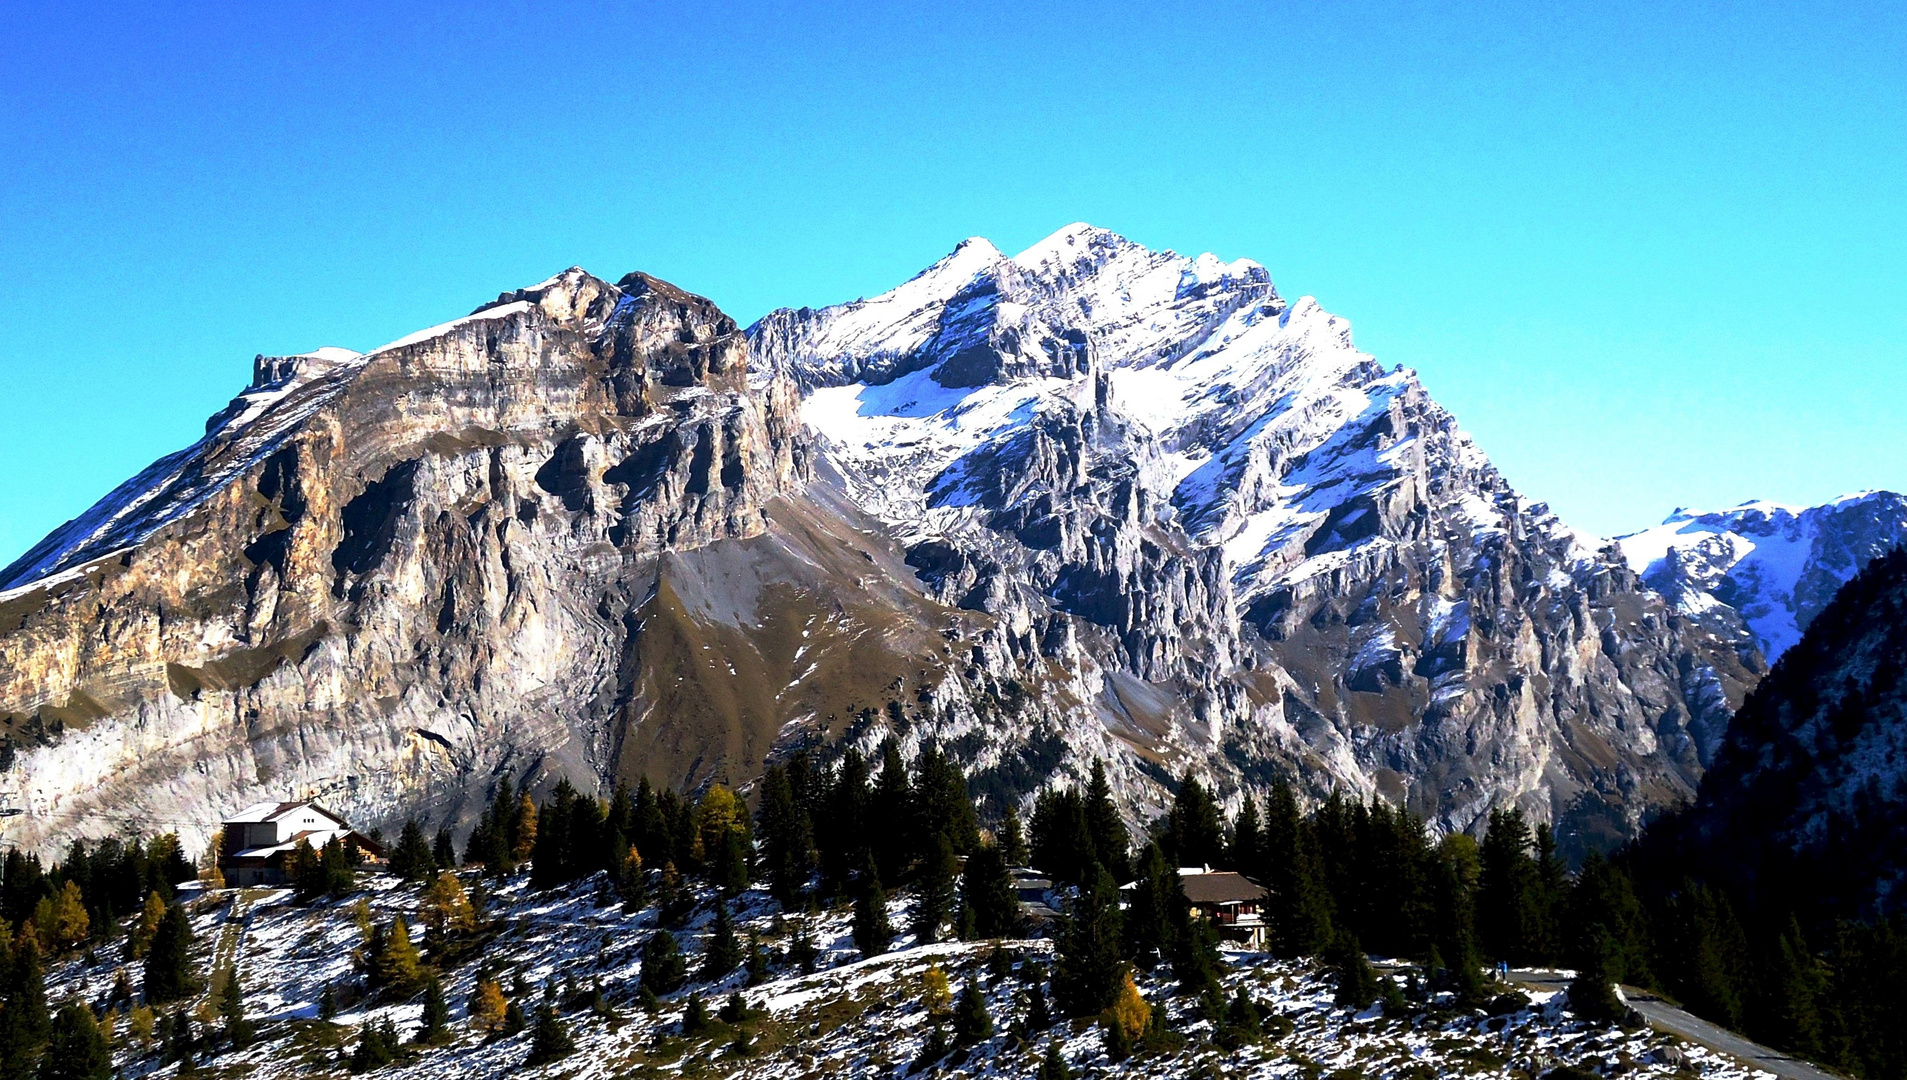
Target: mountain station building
x,y
258,839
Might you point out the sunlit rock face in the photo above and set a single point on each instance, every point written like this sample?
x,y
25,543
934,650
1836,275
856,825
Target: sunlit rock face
x,y
1286,560
381,579
1091,501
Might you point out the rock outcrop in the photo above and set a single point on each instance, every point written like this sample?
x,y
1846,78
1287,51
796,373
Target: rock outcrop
x,y
1283,559
1089,501
382,579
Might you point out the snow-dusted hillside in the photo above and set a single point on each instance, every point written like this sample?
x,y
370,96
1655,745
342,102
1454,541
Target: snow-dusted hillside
x,y
850,1017
1774,566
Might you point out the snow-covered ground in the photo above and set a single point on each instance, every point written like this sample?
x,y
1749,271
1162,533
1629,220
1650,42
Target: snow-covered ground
x,y
850,1017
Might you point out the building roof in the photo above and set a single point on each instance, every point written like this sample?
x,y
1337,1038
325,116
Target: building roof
x,y
1221,887
317,838
271,811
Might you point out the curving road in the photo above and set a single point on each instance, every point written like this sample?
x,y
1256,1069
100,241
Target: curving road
x,y
1665,1017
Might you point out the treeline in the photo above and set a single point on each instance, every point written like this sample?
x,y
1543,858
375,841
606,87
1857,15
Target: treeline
x,y
1348,877
1766,958
91,896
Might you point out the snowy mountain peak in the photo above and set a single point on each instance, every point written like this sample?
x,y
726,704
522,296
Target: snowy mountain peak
x,y
1162,449
1772,565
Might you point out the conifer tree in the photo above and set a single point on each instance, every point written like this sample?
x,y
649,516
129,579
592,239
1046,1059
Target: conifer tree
x,y
1148,919
522,833
1297,909
936,993
1793,989
890,814
1195,834
148,924
1127,1017
377,1046
24,1024
787,839
447,908
1087,965
1549,886
232,1009
989,908
1062,840
801,949
1245,850
673,898
1013,837
1454,939
1603,912
724,951
841,833
1506,891
411,859
1709,948
872,932
728,864
168,963
549,1038
935,890
756,961
971,1021
1591,994
663,968
1111,841
337,868
935,1048
1193,943
1356,982
1053,1064
395,964
632,881
67,921
443,850
75,1049
436,1018
695,1016
940,805
180,1045
487,1005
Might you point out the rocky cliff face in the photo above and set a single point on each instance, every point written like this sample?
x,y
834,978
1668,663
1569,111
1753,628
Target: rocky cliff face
x,y
1761,572
1089,501
382,579
1281,558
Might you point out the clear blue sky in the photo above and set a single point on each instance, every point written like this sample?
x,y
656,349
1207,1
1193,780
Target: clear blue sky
x,y
1650,254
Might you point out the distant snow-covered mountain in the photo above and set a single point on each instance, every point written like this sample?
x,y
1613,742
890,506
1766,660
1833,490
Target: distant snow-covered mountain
x,y
1773,567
